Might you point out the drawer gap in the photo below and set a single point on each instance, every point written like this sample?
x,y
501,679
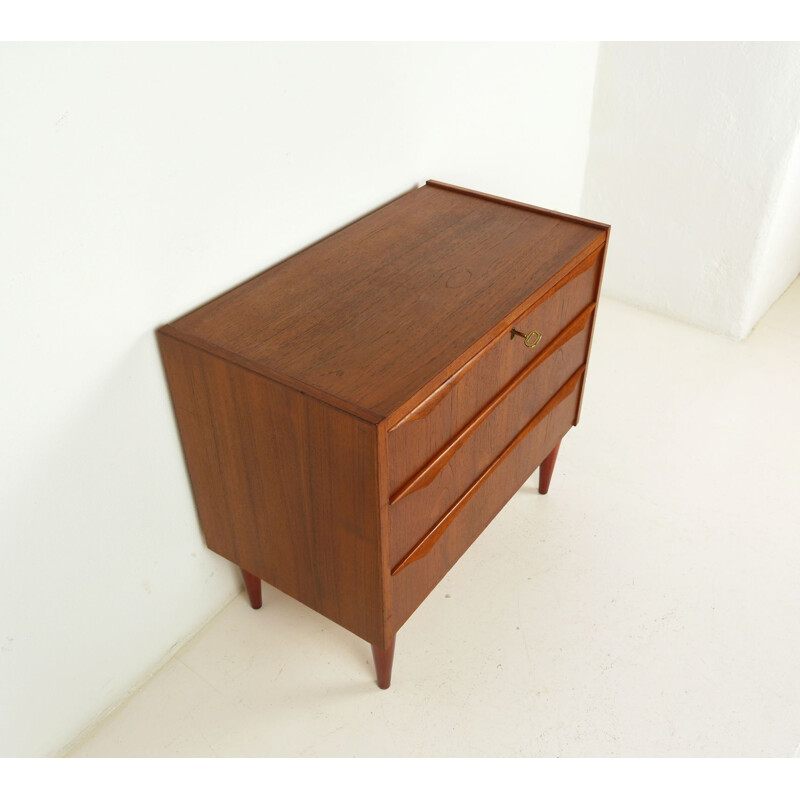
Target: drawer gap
x,y
426,543
426,406
429,472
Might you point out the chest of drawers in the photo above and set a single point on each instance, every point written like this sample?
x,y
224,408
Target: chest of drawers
x,y
354,417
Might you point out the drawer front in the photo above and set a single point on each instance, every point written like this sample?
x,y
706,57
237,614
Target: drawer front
x,y
421,502
439,418
413,580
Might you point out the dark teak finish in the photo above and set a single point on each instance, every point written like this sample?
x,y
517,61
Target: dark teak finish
x,y
355,416
253,585
546,470
383,658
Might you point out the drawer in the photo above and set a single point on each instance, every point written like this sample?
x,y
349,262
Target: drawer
x,y
417,506
413,579
561,315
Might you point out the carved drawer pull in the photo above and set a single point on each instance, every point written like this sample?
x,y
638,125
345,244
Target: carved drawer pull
x,y
426,543
427,473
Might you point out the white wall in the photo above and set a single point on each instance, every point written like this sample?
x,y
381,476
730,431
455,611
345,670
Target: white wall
x,y
690,145
777,256
137,182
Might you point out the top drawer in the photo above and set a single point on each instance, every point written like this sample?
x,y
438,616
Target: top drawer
x,y
438,418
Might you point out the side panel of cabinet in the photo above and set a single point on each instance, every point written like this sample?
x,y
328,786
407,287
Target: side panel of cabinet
x,y
285,485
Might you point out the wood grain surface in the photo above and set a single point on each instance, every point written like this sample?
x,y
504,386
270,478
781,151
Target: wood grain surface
x,y
353,418
565,359
374,312
417,574
430,511
285,486
439,418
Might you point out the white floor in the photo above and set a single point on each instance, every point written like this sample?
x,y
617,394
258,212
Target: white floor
x,y
648,606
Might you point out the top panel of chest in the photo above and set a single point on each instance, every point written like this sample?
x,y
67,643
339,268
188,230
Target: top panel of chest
x,y
373,313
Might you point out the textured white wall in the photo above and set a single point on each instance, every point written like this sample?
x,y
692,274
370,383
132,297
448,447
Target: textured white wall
x,y
777,257
136,182
690,145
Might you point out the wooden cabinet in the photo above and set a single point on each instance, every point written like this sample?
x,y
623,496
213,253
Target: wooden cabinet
x,y
354,417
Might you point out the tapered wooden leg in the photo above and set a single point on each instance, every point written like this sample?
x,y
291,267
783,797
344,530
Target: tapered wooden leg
x,y
546,469
253,585
383,664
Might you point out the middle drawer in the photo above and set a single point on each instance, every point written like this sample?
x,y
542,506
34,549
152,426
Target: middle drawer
x,y
418,503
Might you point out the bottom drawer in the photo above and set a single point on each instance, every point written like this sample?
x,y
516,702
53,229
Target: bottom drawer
x,y
415,576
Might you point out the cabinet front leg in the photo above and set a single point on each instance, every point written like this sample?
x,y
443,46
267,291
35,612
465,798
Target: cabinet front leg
x,y
546,469
383,663
253,585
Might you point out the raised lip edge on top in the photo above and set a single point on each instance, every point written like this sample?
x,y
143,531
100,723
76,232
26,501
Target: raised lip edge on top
x,y
347,406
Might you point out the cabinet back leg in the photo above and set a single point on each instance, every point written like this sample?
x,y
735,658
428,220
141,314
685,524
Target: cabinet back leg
x,y
546,469
253,585
383,663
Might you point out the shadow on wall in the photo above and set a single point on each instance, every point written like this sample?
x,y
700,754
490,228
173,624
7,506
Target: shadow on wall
x,y
110,497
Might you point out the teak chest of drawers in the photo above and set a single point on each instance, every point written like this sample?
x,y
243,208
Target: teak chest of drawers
x,y
355,416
